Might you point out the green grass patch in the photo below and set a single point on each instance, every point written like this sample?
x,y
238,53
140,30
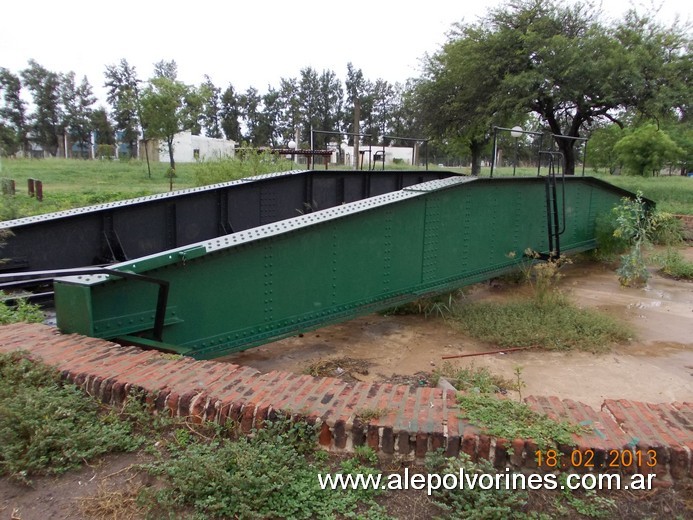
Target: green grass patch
x,y
512,420
555,324
47,426
672,194
672,263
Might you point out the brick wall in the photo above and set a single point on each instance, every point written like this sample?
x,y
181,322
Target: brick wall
x,y
416,419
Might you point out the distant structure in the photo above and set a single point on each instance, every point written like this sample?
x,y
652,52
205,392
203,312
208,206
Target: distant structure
x,y
188,148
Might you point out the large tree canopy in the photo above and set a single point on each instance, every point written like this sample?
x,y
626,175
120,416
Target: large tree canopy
x,y
555,60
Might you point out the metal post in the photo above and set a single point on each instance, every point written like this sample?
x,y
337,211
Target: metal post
x,y
495,150
515,159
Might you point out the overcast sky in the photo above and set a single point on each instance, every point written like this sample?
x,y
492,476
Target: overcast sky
x,y
246,43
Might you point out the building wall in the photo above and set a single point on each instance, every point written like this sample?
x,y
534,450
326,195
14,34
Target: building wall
x,y
189,148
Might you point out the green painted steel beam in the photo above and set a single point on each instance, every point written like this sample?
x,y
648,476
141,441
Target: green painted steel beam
x,y
252,287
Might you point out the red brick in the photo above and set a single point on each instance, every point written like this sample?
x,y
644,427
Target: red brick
x,y
421,445
325,437
373,437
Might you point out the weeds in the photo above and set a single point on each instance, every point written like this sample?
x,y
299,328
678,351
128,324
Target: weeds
x,y
475,379
49,427
248,162
440,306
472,502
271,475
513,420
559,325
22,311
673,264
370,414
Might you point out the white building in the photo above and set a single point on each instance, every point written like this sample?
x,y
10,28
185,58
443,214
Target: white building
x,y
189,148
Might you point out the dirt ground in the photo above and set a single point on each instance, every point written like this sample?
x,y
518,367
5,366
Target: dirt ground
x,y
655,366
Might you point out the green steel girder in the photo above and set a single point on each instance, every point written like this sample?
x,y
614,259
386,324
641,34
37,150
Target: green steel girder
x,y
248,288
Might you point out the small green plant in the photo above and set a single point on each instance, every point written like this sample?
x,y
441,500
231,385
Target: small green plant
x,y
544,276
634,224
519,382
512,420
21,311
587,503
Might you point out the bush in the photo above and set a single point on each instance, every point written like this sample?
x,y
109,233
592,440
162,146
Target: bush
x,y
245,164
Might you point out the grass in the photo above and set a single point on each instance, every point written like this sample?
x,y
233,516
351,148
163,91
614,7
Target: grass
x,y
673,264
672,194
513,420
523,322
476,379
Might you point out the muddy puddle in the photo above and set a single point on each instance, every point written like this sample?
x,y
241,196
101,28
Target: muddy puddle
x,y
655,366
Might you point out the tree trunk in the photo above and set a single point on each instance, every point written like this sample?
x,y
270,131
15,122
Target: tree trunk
x,y
567,148
171,160
476,148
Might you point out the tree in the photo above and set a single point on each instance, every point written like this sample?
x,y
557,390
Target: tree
x,y
230,114
250,107
269,124
166,69
456,95
646,150
552,59
13,123
103,129
123,96
46,118
290,109
169,107
211,98
77,102
602,145
356,91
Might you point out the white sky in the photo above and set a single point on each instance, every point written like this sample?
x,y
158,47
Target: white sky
x,y
243,42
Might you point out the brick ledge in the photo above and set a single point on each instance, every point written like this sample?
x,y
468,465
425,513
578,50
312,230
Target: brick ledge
x,y
418,419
